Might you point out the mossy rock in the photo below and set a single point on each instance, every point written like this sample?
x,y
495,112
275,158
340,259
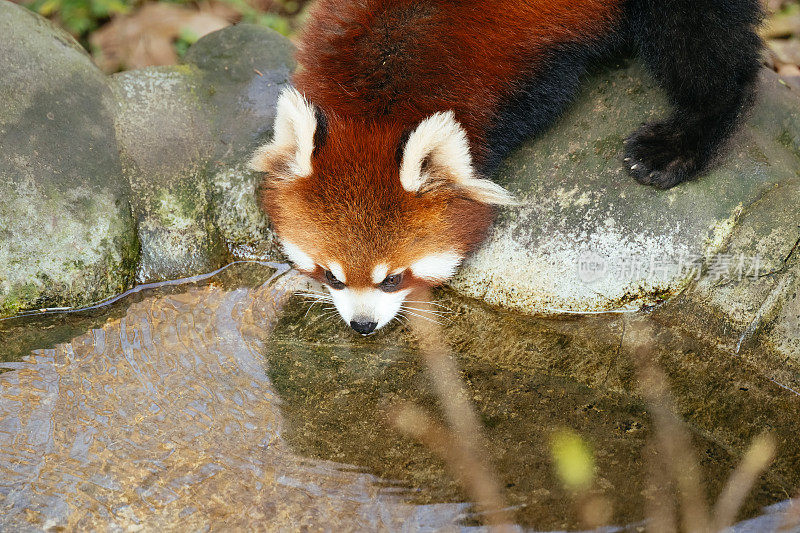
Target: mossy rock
x,y
588,238
66,232
138,177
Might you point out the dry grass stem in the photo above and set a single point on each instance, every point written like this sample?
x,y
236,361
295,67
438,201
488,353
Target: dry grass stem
x,y
474,475
463,447
671,436
791,518
741,481
672,442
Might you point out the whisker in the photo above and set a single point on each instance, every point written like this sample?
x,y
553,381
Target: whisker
x,y
432,321
317,301
425,310
309,309
431,311
441,320
429,319
425,302
312,295
314,299
315,294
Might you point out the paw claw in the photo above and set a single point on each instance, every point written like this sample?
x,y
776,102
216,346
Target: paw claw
x,y
660,156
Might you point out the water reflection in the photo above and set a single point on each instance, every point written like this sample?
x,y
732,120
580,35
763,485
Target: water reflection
x,y
528,379
216,406
165,418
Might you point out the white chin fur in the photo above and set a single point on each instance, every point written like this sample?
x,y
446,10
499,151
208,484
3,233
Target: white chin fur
x,y
372,305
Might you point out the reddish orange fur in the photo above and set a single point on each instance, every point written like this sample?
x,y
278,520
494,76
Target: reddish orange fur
x,y
395,59
377,68
353,209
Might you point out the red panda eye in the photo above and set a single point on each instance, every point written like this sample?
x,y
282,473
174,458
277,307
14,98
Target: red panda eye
x,y
332,281
391,283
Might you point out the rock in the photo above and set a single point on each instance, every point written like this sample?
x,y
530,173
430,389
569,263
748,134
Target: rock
x,y
745,310
136,177
723,248
186,134
588,238
243,70
164,132
66,232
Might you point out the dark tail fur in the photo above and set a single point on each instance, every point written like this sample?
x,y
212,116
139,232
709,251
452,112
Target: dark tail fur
x,y
706,55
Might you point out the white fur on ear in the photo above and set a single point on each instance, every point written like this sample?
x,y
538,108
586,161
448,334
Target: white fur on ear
x,y
442,141
293,137
437,267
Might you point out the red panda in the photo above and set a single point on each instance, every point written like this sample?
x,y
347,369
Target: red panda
x,y
375,181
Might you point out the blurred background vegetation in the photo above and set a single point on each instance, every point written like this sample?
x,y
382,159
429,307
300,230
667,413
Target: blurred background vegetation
x,y
782,34
128,34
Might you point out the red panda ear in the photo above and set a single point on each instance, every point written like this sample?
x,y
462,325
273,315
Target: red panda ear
x,y
288,155
437,152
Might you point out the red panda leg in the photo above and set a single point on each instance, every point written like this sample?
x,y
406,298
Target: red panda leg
x,y
541,98
705,54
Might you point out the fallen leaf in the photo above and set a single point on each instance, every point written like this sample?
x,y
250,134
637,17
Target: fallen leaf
x,y
791,75
782,24
787,51
147,36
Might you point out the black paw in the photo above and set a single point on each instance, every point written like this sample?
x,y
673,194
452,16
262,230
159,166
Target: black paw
x,y
659,154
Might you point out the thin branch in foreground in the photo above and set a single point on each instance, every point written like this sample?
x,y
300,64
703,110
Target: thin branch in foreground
x,y
791,517
463,446
660,503
757,458
672,439
671,436
473,474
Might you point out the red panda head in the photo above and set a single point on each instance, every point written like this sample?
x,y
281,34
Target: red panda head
x,y
370,211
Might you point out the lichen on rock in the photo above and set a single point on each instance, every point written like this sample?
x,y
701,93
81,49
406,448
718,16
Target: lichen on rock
x,y
66,233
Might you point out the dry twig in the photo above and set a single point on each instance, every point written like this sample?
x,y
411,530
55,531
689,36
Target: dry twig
x,y
463,446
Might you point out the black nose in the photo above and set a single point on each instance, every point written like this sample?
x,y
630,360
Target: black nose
x,y
363,327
